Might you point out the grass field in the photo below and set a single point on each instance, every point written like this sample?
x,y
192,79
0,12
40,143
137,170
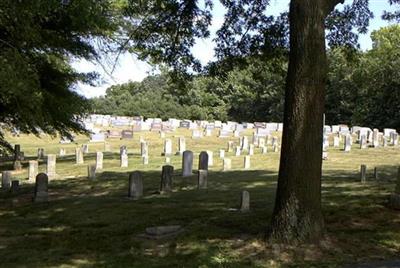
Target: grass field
x,y
92,224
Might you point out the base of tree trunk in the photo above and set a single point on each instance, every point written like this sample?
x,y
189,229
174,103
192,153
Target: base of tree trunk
x,y
394,201
306,231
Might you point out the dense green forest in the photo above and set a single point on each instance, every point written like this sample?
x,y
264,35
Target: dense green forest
x,y
363,88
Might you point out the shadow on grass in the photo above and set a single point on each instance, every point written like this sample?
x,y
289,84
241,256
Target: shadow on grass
x,y
92,223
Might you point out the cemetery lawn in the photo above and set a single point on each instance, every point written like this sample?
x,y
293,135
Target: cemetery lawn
x,y
92,223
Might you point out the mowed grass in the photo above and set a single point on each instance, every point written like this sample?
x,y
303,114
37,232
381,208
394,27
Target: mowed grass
x,y
90,223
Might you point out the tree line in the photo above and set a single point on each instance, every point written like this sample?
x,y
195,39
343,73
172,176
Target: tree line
x,y
362,89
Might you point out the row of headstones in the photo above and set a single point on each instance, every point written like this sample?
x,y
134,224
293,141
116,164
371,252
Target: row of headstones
x,y
135,188
348,141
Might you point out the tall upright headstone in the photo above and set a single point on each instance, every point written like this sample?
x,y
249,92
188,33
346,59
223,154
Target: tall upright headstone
x,y
6,180
203,160
167,147
202,179
40,153
221,153
124,159
166,179
227,164
92,171
347,143
181,145
246,162
41,188
85,148
187,163
363,173
230,146
78,156
51,166
210,158
237,151
99,160
245,201
135,185
245,143
33,170
144,149
251,149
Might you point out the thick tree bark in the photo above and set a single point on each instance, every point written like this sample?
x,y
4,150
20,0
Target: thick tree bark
x,y
297,215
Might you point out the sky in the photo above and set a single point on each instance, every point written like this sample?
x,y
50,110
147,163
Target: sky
x,y
128,68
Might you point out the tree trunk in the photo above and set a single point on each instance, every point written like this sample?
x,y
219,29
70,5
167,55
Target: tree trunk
x,y
297,215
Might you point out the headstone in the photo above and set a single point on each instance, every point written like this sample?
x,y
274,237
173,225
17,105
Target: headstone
x,y
187,163
51,166
167,147
97,137
99,160
196,134
230,146
114,134
236,134
41,188
166,178
17,152
202,179
224,133
127,134
91,172
324,155
221,153
275,144
78,156
245,143
62,152
245,201
6,180
33,170
203,161
145,160
227,164
40,153
363,142
384,141
17,165
135,185
181,145
210,158
14,186
237,151
376,175
394,138
85,148
144,149
264,149
246,162
375,138
336,141
261,142
162,135
347,143
167,160
251,149
208,132
123,150
363,173
124,160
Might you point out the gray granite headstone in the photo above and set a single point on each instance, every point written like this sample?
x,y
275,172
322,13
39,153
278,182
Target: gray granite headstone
x,y
41,188
245,201
135,185
33,170
203,160
166,179
6,180
187,163
202,179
